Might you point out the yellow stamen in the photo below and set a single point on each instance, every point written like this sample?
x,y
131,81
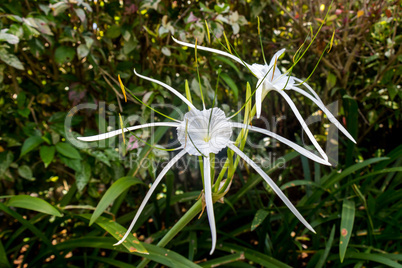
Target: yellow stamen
x,y
122,88
332,41
258,19
273,71
122,128
195,49
227,43
209,36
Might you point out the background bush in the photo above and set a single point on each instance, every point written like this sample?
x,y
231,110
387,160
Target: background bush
x,y
55,55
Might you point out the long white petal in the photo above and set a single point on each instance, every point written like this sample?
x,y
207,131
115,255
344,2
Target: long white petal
x,y
291,144
309,88
272,184
209,202
303,124
258,97
174,91
276,55
118,132
330,116
149,194
220,52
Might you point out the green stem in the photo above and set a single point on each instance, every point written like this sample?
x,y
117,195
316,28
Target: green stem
x,y
184,220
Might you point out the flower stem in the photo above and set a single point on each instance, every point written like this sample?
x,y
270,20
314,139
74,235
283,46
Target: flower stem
x,y
190,214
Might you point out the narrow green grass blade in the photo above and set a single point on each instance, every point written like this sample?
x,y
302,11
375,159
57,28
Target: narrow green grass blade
x,y
380,258
299,183
113,262
259,218
252,255
328,246
192,247
223,260
338,176
232,85
33,203
31,227
132,244
157,254
228,62
112,193
347,220
3,257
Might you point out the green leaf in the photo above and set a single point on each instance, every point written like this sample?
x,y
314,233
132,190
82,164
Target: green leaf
x,y
26,172
9,38
67,150
217,262
225,77
30,144
385,259
82,51
6,158
11,59
112,193
64,54
32,203
117,231
259,218
228,62
113,32
348,217
100,156
252,255
328,246
3,257
47,154
82,177
71,163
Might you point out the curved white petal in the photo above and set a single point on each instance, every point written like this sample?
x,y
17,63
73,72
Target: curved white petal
x,y
149,194
276,55
272,184
303,124
118,132
330,116
291,144
258,97
309,88
220,52
174,91
209,202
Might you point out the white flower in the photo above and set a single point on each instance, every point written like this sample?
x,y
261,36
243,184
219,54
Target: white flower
x,y
203,133
270,78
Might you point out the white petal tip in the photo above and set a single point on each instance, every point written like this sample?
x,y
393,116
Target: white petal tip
x,y
85,139
118,243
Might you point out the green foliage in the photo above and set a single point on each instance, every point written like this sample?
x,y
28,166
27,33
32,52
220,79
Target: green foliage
x,y
55,55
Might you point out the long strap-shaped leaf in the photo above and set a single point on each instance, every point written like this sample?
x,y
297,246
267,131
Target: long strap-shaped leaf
x,y
272,184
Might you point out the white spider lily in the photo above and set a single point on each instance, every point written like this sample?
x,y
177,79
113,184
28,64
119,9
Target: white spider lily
x,y
270,78
202,133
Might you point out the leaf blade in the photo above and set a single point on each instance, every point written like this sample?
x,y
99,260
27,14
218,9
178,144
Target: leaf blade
x,y
33,203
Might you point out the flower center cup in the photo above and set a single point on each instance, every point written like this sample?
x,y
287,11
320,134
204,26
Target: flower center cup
x,y
203,132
